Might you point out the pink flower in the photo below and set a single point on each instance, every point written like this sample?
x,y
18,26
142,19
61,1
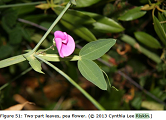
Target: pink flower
x,y
64,43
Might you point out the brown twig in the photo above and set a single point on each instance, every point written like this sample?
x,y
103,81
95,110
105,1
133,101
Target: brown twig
x,y
33,24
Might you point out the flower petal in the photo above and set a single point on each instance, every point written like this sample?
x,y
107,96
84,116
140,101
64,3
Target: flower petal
x,y
68,49
59,34
58,42
66,39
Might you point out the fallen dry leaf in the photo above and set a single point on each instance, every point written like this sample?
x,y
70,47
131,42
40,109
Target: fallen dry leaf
x,y
22,100
18,106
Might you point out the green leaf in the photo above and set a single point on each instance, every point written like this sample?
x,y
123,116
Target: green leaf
x,y
96,49
132,14
26,34
159,30
74,17
164,14
10,17
145,51
36,65
147,40
104,24
152,105
86,3
106,28
92,72
15,36
5,51
79,30
162,18
137,102
11,61
5,25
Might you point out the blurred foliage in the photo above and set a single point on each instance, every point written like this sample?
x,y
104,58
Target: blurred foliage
x,y
139,53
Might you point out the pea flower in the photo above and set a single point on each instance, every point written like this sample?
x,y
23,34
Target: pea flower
x,y
64,43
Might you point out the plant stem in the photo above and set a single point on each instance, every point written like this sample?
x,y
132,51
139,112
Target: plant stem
x,y
52,26
73,82
51,47
21,4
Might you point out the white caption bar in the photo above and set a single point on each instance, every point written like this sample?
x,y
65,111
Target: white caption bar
x,y
84,115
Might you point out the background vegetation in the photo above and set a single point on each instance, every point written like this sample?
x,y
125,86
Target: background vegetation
x,y
135,65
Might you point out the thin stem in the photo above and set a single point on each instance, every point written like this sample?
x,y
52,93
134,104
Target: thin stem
x,y
23,73
160,9
73,82
52,26
21,4
153,12
51,47
163,22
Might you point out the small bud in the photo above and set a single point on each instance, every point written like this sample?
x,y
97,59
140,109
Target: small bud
x,y
43,6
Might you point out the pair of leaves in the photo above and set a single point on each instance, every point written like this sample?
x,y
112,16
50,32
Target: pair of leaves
x,y
89,69
132,14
